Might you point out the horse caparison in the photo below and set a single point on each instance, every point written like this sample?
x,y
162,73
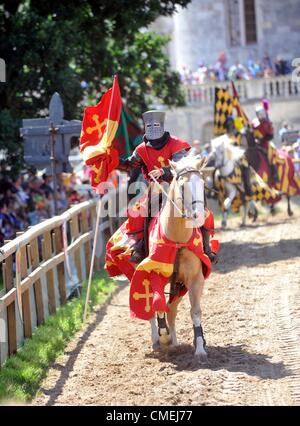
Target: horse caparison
x,y
189,270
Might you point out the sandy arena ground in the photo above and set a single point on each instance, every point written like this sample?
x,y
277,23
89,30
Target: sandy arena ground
x,y
251,320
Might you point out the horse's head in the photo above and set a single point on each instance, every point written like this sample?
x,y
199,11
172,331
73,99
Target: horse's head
x,y
224,151
188,186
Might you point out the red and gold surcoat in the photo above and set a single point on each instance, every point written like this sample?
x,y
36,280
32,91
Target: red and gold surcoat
x,y
160,157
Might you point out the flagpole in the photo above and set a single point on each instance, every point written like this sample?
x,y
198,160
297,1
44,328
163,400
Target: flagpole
x,y
125,132
97,225
92,260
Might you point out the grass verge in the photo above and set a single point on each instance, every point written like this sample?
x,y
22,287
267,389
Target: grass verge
x,y
22,374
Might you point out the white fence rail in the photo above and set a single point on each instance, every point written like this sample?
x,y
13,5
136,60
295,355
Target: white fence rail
x,y
35,274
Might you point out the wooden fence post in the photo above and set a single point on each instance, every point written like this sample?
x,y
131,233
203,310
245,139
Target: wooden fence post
x,y
74,234
60,266
87,246
8,280
25,296
37,286
47,254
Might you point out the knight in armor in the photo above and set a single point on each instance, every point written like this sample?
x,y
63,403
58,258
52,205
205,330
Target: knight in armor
x,y
153,155
264,133
236,139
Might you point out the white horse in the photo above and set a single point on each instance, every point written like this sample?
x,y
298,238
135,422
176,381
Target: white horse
x,y
227,157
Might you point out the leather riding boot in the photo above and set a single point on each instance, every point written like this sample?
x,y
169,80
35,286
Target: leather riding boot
x,y
138,253
206,246
246,181
274,174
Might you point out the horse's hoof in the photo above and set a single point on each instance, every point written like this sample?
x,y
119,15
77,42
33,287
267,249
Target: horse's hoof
x,y
156,346
223,224
255,216
242,225
290,213
201,357
165,339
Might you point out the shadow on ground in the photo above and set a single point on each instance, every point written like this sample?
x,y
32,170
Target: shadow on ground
x,y
234,358
235,253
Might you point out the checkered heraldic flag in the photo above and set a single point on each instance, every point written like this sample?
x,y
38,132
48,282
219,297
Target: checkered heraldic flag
x,y
223,108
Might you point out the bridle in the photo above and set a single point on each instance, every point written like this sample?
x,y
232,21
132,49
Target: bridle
x,y
178,175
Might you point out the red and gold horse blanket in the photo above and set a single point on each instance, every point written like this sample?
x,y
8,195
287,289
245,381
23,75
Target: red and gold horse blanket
x,y
149,278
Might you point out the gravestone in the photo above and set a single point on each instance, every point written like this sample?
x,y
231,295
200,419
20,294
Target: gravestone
x,y
37,138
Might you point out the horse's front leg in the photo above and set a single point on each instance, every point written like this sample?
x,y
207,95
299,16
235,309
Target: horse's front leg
x,y
195,292
154,334
245,208
171,315
163,329
289,210
231,193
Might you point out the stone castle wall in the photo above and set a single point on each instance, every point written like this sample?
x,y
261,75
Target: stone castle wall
x,y
201,31
192,123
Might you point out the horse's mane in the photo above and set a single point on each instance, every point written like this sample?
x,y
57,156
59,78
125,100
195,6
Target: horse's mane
x,y
189,161
231,152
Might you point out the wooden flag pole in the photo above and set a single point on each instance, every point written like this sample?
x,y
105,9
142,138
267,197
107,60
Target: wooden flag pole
x,y
92,261
99,210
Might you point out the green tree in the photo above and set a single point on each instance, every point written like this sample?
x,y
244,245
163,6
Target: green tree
x,y
55,46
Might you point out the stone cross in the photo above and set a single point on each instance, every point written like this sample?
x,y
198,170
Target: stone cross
x,y
37,136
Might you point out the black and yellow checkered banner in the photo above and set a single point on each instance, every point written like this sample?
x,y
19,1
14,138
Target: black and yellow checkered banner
x,y
261,191
223,108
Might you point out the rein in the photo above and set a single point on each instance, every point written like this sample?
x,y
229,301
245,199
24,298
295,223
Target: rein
x,y
177,176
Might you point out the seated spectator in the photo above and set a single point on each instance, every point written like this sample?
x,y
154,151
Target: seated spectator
x,y
254,69
62,199
221,69
281,66
283,130
46,185
267,65
74,197
8,225
20,194
296,147
202,73
196,147
49,204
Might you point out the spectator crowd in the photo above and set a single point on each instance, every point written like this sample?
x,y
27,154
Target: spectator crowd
x,y
29,199
221,71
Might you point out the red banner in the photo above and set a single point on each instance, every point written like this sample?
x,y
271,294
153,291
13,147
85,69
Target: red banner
x,y
99,127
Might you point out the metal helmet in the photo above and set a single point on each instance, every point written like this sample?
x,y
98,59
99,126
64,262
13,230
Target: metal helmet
x,y
261,113
154,124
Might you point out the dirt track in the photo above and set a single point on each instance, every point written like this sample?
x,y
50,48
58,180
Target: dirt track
x,y
251,319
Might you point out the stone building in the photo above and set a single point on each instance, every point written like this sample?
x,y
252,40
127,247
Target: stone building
x,y
241,28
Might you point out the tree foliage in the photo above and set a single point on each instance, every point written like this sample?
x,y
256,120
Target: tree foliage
x,y
53,46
